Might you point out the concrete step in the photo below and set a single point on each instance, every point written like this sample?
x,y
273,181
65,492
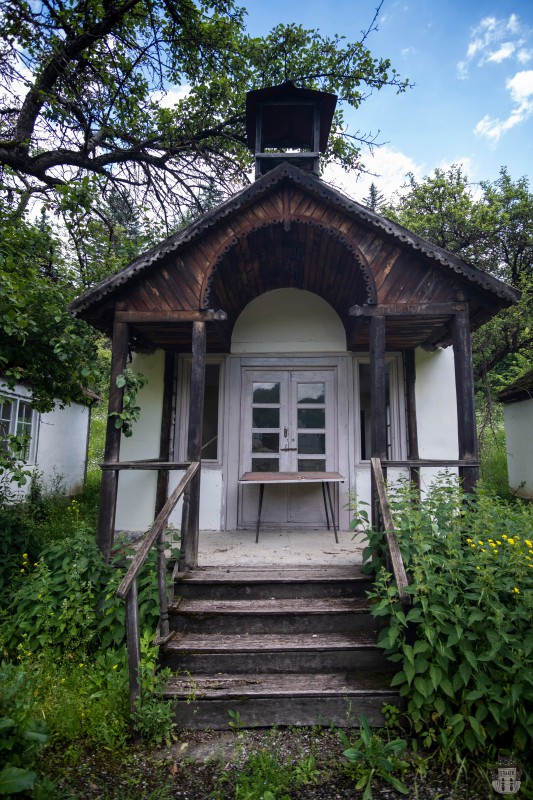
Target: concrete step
x,y
272,582
273,615
272,653
281,699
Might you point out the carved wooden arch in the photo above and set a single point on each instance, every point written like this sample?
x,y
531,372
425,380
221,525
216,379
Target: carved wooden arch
x,y
303,219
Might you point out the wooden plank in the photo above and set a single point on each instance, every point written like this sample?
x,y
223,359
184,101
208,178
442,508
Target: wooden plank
x,y
291,477
133,645
412,422
279,685
154,463
164,436
432,462
408,309
273,606
170,316
378,389
148,541
466,409
109,487
272,642
398,567
191,515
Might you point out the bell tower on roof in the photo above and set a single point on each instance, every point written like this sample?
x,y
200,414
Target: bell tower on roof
x,y
284,123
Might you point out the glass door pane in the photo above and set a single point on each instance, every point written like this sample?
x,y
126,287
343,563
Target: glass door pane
x,y
266,409
311,426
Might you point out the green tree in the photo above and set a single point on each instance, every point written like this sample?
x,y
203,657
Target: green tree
x,y
40,344
85,80
494,232
375,199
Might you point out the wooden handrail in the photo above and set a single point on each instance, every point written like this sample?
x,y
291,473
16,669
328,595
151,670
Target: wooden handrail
x,y
128,587
149,539
398,567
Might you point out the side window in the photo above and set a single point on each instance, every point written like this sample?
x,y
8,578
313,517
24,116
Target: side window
x,y
365,411
210,438
212,416
17,419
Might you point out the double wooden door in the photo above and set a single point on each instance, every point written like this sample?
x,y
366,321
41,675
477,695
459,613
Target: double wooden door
x,y
288,424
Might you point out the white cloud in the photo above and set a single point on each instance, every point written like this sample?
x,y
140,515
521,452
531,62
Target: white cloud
x,y
505,51
524,55
520,87
494,40
390,168
169,98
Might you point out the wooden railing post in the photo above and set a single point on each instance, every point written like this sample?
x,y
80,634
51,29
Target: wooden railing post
x,y
189,535
108,491
162,584
133,643
378,403
466,409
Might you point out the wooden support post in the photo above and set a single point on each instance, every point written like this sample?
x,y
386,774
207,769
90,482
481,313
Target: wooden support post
x,y
133,644
191,510
378,400
412,425
109,487
466,411
166,426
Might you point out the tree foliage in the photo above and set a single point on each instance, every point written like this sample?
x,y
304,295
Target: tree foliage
x,y
40,344
491,229
86,80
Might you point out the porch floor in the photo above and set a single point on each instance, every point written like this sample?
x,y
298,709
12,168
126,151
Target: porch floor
x,y
279,547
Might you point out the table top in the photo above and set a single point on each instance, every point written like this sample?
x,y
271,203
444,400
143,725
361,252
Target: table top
x,y
292,477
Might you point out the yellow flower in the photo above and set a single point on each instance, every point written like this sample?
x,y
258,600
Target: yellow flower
x,y
495,552
115,666
478,567
516,591
511,541
469,540
492,544
504,536
472,545
479,541
498,541
25,556
528,542
81,665
483,550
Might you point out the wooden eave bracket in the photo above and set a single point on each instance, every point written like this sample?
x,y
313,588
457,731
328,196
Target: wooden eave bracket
x,y
150,317
408,310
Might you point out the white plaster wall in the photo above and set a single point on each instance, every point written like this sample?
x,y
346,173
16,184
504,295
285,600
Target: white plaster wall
x,y
436,408
519,437
137,488
62,445
288,321
210,499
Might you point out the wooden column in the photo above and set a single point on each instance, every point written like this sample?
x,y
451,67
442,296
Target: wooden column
x,y
378,398
166,426
412,425
108,491
191,502
464,387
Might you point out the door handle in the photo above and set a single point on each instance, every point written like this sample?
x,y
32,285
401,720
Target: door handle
x,y
288,449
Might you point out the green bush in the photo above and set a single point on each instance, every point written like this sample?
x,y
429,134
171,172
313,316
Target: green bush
x,y
65,603
468,676
22,734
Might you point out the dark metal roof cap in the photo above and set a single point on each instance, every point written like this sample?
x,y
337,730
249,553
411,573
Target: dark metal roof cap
x,y
290,122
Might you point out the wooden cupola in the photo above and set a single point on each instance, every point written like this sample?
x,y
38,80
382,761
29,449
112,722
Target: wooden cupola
x,y
284,123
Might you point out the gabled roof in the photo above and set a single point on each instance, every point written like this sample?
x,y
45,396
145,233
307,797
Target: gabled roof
x,y
521,389
286,172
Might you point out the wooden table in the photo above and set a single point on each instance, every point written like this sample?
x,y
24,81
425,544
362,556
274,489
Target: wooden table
x,y
324,478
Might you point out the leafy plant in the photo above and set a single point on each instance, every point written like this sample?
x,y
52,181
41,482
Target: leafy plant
x,y
370,757
21,734
132,383
236,722
468,677
154,717
263,778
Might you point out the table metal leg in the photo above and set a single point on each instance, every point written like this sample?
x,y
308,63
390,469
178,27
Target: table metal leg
x,y
261,492
332,513
325,503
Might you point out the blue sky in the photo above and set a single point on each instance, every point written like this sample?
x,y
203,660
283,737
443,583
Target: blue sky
x,y
472,65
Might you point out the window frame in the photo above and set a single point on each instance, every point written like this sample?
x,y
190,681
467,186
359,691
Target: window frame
x,y
183,395
16,402
398,440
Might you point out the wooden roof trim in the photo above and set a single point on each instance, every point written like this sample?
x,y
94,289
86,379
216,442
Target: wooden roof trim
x,y
368,278
318,188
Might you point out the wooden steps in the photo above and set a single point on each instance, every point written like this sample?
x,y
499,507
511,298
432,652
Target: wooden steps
x,y
293,646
